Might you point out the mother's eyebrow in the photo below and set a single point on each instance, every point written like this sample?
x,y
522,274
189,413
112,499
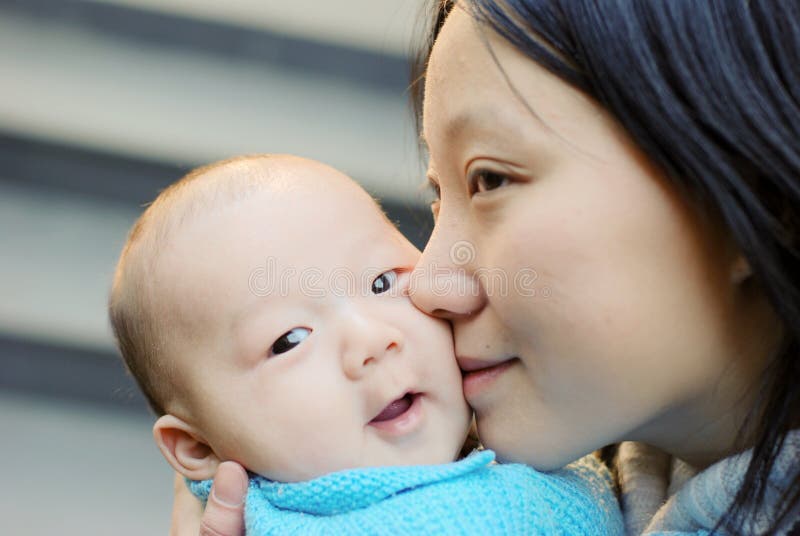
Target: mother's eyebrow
x,y
484,120
456,125
453,127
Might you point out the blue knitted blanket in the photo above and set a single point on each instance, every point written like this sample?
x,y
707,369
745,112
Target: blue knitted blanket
x,y
470,496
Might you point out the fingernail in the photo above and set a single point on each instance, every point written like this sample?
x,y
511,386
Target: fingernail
x,y
228,492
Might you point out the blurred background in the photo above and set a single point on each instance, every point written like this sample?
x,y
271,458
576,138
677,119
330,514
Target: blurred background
x,y
102,104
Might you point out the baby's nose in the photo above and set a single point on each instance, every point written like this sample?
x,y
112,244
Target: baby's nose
x,y
367,342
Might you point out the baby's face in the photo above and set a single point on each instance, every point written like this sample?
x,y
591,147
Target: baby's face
x,y
310,357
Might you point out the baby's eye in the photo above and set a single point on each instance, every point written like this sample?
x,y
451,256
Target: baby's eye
x,y
484,181
289,340
384,282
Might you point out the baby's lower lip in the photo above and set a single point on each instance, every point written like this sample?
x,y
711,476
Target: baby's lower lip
x,y
404,422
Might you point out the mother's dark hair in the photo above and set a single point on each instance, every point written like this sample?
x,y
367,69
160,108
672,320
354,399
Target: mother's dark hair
x,y
710,92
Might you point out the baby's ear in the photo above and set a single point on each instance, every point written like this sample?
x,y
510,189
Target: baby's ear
x,y
185,448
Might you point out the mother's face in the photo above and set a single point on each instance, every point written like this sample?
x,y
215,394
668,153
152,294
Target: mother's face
x,y
566,264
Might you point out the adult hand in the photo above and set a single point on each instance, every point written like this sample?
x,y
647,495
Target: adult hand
x,y
224,512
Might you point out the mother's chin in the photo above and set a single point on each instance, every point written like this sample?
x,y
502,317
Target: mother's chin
x,y
540,441
513,443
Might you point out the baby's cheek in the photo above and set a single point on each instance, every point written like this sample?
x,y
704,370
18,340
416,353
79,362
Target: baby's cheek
x,y
443,358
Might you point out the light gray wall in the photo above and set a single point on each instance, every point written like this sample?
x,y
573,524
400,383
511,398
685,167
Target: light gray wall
x,y
77,468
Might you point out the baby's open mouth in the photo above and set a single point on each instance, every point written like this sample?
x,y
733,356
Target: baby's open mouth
x,y
395,408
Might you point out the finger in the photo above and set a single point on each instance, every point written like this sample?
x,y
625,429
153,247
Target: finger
x,y
224,515
186,510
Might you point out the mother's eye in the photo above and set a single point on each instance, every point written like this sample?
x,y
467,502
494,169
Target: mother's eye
x,y
289,340
384,282
434,188
483,180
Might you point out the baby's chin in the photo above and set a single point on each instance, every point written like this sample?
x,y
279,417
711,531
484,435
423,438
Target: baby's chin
x,y
290,475
435,455
301,472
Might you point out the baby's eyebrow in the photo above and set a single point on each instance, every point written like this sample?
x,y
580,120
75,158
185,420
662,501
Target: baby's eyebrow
x,y
246,312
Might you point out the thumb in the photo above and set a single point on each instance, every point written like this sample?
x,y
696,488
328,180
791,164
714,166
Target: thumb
x,y
224,514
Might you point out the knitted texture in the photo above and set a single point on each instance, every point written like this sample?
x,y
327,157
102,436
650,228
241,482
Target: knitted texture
x,y
703,500
642,472
471,496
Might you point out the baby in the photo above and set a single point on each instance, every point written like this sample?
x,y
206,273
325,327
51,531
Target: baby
x,y
262,305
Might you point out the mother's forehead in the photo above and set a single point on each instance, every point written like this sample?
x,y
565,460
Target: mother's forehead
x,y
461,41
464,73
480,86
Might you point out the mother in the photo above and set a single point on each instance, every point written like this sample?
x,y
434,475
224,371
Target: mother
x,y
625,180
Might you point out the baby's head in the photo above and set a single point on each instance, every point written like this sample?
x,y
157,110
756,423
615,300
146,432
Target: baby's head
x,y
261,305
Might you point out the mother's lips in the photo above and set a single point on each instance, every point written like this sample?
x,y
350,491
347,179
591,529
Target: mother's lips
x,y
471,364
479,374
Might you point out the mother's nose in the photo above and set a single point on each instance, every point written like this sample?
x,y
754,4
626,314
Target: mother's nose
x,y
444,282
